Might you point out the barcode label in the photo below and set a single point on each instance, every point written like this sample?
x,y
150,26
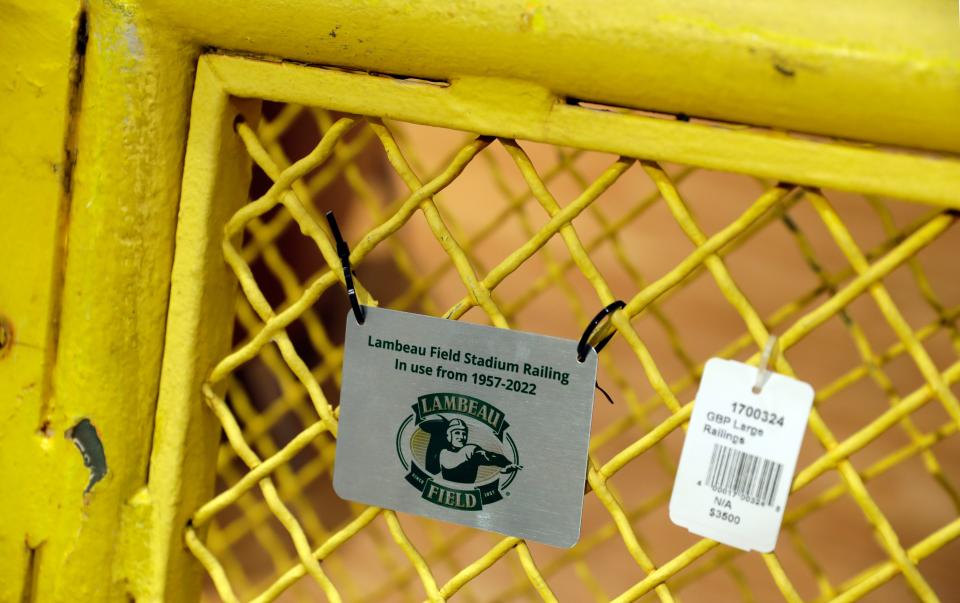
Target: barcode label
x,y
734,472
739,455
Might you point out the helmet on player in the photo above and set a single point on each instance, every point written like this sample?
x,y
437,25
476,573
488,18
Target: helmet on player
x,y
456,424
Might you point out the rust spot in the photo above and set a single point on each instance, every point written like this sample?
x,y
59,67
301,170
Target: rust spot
x,y
83,31
6,336
31,567
784,70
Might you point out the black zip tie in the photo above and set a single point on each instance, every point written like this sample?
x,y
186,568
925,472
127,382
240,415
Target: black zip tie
x,y
604,392
343,250
583,348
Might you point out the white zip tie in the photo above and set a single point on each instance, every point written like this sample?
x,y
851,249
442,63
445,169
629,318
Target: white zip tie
x,y
763,367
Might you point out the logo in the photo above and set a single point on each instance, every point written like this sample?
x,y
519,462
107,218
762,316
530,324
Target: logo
x,y
456,450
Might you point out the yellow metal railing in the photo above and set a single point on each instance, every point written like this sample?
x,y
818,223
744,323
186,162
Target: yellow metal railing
x,y
274,519
122,165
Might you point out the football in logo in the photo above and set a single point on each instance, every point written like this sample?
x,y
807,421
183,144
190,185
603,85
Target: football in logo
x,y
457,452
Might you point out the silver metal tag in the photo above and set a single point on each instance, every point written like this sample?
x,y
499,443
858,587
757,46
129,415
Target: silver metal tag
x,y
470,424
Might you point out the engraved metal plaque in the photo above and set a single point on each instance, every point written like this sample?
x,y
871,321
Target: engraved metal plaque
x,y
469,424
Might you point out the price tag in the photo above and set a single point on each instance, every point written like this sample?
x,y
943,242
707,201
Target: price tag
x,y
738,460
469,424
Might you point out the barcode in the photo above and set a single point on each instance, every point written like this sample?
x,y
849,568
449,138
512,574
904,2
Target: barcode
x,y
733,472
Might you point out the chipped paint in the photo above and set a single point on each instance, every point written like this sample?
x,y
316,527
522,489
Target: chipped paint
x,y
87,440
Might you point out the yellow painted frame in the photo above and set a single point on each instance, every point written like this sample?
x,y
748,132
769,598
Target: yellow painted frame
x,y
92,194
525,110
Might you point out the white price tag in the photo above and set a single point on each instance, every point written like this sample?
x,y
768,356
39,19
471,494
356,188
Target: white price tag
x,y
738,460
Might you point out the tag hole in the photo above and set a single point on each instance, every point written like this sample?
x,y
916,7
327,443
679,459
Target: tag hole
x,y
756,390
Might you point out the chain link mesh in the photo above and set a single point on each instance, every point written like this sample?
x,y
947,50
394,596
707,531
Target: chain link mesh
x,y
885,417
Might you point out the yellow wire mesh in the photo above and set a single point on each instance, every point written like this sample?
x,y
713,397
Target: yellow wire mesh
x,y
275,530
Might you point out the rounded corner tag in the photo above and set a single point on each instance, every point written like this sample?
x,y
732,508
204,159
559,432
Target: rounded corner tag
x,y
739,455
475,425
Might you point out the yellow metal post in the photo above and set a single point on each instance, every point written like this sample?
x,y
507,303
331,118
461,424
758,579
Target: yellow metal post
x,y
111,143
216,180
38,78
